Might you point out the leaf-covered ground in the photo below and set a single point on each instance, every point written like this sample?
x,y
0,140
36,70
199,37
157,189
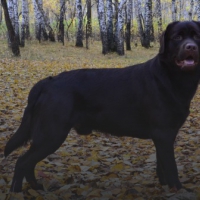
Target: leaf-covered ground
x,y
98,166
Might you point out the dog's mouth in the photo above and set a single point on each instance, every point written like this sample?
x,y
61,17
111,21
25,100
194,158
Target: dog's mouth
x,y
188,63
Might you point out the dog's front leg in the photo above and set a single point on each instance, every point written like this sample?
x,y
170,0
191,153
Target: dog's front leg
x,y
166,164
160,171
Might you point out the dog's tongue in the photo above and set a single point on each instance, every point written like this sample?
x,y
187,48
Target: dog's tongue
x,y
188,62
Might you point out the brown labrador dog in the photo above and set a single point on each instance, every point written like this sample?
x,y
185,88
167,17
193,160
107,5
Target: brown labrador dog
x,y
149,100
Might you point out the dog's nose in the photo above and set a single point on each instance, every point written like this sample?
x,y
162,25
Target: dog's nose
x,y
191,47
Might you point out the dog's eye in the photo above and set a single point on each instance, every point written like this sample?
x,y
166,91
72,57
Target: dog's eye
x,y
178,37
197,37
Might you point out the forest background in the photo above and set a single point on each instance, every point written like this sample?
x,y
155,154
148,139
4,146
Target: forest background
x,y
54,36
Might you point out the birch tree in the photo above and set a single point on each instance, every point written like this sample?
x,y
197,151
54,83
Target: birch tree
x,y
129,9
25,32
159,17
102,24
39,21
89,22
11,32
0,13
174,11
61,21
147,23
198,10
16,20
14,17
79,34
139,17
191,9
115,24
109,17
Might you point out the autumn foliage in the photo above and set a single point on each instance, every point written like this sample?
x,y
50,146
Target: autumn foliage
x,y
96,166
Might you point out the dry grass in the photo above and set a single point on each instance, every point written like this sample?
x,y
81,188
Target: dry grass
x,y
77,57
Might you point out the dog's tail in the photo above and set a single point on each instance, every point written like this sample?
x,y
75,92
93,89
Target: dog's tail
x,y
23,134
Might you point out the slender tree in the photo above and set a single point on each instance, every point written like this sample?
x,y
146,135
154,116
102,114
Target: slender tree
x,y
159,17
40,30
61,21
25,32
102,24
120,31
198,10
148,23
11,32
191,10
129,9
79,34
109,17
89,22
16,20
115,38
174,11
0,13
139,17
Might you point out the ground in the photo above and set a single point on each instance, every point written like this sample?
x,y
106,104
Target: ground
x,y
97,166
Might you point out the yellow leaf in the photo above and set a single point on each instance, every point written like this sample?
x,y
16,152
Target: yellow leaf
x,y
74,168
118,167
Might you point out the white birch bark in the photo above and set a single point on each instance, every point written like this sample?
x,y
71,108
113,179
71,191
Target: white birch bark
x,y
147,23
79,34
159,17
102,24
138,10
11,11
174,10
109,24
191,10
39,20
13,14
120,25
198,10
16,18
25,33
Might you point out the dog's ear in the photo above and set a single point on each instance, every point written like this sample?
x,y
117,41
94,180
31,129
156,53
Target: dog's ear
x,y
164,37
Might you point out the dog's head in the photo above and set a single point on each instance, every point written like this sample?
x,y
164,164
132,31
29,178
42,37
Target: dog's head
x,y
180,45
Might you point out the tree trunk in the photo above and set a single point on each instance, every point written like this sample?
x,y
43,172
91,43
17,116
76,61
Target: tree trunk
x,y
89,23
16,20
174,11
11,32
110,25
115,25
191,10
79,34
148,23
40,31
129,10
61,21
120,31
25,32
159,17
102,24
140,21
198,10
0,13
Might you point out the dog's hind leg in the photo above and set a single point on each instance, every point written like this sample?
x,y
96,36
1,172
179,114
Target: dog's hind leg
x,y
38,151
